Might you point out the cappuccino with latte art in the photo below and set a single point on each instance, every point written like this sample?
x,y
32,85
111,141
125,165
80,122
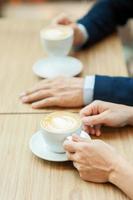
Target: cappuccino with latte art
x,y
57,126
61,122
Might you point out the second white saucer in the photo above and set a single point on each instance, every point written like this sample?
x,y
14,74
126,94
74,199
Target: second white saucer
x,y
39,148
57,66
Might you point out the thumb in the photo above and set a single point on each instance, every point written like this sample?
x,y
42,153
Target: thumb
x,y
95,119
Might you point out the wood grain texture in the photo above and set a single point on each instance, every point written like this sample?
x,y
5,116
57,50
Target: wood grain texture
x,y
23,176
20,48
47,10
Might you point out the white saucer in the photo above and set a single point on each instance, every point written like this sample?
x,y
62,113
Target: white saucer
x,y
57,66
39,148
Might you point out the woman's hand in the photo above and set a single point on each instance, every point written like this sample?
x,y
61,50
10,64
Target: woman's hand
x,y
61,92
100,113
95,160
98,162
65,20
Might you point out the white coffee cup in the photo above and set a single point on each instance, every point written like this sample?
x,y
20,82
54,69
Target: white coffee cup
x,y
57,40
55,129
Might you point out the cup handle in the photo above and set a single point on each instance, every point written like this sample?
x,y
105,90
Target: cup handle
x,y
83,135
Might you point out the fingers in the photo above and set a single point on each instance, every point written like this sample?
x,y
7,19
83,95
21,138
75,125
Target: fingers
x,y
88,110
92,109
95,119
89,129
95,130
45,84
36,96
70,156
86,128
93,116
49,102
98,130
39,95
62,19
70,146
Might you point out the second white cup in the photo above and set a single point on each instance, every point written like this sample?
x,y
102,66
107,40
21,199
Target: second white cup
x,y
57,40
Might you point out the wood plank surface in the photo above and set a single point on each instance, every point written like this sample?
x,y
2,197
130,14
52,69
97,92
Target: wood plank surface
x,y
20,48
23,176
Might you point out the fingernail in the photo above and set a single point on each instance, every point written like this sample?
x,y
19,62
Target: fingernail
x,y
24,99
93,132
98,133
34,105
22,94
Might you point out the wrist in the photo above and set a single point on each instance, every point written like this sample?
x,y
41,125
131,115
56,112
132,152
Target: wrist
x,y
120,167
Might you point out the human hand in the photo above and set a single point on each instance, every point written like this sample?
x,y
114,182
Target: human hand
x,y
95,160
65,20
61,92
100,113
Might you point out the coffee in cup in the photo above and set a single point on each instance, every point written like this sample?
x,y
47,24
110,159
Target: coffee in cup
x,y
57,126
57,40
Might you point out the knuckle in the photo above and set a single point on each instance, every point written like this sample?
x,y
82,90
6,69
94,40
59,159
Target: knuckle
x,y
78,157
41,92
60,89
51,92
85,147
54,92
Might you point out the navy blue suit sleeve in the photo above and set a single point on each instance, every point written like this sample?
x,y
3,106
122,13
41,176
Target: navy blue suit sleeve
x,y
114,89
104,17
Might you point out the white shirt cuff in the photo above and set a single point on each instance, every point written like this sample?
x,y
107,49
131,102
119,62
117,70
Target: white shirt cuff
x,y
88,91
84,32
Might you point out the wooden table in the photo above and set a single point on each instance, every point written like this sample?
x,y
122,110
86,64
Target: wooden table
x,y
23,176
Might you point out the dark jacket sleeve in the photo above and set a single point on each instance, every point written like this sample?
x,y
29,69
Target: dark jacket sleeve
x,y
105,16
114,89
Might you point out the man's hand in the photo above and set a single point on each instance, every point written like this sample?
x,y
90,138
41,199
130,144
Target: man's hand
x,y
61,92
78,35
95,160
101,113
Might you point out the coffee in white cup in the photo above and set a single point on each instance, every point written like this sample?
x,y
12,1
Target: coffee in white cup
x,y
57,126
57,40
